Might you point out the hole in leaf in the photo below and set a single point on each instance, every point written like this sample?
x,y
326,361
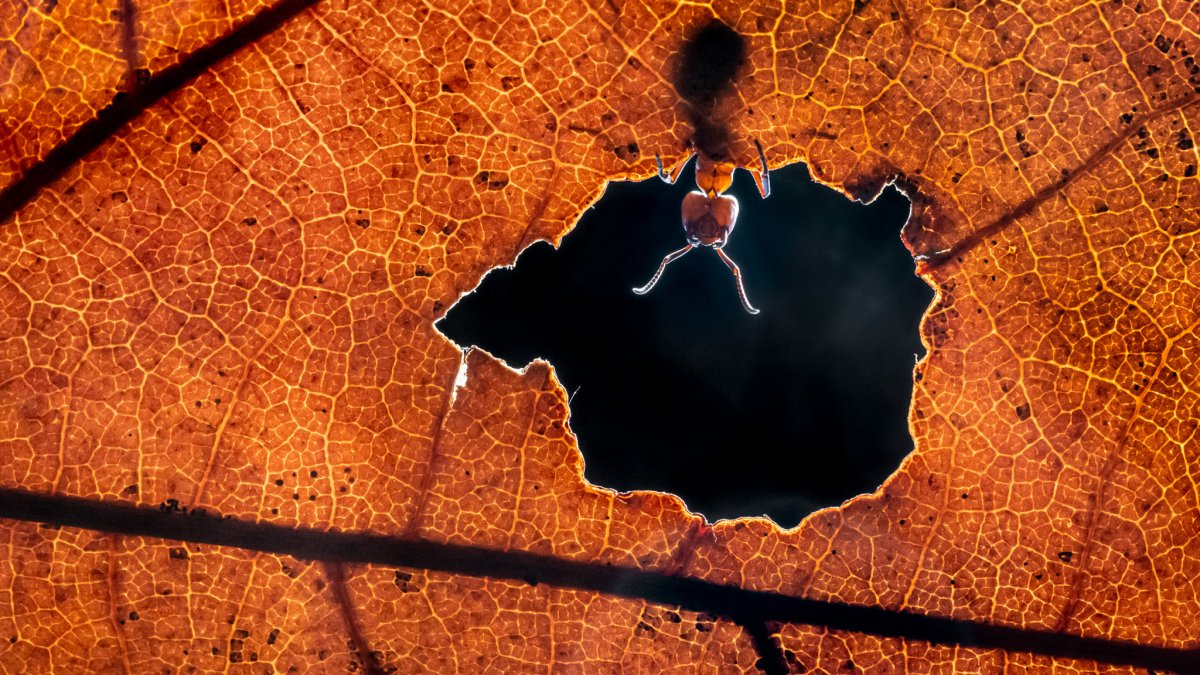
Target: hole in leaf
x,y
800,407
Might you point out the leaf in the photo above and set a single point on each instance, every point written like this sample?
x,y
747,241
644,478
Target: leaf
x,y
220,296
67,60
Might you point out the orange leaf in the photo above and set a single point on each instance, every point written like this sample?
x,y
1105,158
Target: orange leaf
x,y
223,272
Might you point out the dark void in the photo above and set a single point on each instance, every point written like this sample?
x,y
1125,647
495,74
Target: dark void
x,y
795,409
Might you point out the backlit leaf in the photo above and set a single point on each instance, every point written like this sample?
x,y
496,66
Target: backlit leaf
x,y
219,295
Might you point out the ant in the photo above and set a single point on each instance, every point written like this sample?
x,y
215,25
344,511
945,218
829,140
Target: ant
x,y
708,214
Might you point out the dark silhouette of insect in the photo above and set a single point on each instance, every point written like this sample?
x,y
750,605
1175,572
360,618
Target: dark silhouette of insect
x,y
709,215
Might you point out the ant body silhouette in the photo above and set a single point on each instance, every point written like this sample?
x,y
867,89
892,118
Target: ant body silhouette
x,y
709,215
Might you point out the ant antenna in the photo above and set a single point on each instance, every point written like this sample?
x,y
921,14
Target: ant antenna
x,y
671,257
737,277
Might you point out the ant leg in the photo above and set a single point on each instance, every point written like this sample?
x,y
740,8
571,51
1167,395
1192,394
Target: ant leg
x,y
737,276
662,174
670,178
672,257
763,180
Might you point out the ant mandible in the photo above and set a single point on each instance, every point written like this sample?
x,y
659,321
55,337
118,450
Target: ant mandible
x,y
709,215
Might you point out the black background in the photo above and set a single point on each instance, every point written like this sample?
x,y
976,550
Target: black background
x,y
797,408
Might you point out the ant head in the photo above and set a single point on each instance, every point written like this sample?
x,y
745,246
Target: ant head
x,y
708,220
